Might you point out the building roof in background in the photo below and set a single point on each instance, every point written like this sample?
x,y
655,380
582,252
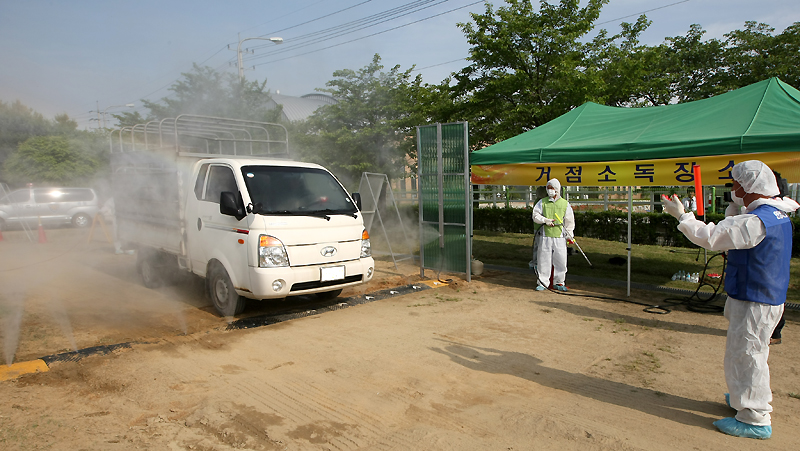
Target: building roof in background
x,y
300,108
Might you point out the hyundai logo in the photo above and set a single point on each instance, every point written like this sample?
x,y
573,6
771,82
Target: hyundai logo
x,y
328,251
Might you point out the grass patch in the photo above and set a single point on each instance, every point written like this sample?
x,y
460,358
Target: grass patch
x,y
652,265
649,364
441,298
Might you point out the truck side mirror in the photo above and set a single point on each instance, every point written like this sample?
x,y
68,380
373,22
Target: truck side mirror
x,y
357,200
232,205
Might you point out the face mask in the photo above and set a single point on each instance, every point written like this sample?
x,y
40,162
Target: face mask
x,y
551,193
736,199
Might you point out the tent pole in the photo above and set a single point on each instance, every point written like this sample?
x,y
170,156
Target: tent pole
x,y
630,208
420,206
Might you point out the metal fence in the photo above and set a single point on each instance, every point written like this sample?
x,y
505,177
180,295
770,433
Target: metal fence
x,y
645,199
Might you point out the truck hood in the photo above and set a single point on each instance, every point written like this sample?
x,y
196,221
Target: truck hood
x,y
307,230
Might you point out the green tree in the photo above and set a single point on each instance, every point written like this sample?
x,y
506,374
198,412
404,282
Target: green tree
x,y
64,124
682,69
632,74
755,54
526,67
204,91
54,160
694,66
370,129
18,123
128,119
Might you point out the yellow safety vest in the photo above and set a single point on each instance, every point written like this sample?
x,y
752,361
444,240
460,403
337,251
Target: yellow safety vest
x,y
549,210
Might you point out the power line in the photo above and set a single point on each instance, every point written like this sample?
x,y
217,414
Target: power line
x,y
371,35
318,18
289,14
439,64
643,12
352,26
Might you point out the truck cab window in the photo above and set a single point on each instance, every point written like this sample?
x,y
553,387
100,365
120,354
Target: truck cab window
x,y
220,178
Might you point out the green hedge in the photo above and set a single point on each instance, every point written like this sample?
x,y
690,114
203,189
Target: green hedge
x,y
646,228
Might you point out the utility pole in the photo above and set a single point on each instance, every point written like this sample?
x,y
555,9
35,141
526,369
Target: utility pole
x,y
239,62
127,105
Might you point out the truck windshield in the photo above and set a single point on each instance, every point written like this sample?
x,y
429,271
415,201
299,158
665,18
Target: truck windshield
x,y
293,190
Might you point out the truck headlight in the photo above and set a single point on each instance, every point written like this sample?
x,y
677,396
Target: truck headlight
x,y
271,252
366,249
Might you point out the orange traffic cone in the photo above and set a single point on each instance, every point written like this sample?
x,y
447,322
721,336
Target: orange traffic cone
x,y
42,236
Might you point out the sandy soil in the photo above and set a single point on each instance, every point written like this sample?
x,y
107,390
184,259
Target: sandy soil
x,y
485,365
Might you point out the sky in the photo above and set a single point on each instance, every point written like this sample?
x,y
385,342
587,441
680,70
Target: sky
x,y
83,56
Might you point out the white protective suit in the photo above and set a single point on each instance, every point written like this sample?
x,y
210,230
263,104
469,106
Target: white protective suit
x,y
552,252
750,323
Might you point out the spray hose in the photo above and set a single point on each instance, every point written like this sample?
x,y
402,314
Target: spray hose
x,y
693,302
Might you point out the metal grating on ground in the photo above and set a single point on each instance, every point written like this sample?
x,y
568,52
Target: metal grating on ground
x,y
341,303
74,356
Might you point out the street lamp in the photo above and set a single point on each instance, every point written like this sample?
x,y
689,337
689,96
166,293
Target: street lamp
x,y
239,53
127,105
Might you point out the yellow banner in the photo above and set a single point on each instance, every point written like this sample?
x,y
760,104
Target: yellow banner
x,y
714,170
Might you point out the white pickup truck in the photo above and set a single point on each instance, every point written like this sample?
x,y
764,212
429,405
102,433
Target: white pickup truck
x,y
219,198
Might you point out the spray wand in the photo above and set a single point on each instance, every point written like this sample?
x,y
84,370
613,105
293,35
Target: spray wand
x,y
572,238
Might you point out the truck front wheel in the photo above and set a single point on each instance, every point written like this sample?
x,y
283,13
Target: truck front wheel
x,y
222,293
149,267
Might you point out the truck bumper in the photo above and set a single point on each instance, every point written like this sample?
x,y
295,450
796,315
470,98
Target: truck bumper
x,y
305,279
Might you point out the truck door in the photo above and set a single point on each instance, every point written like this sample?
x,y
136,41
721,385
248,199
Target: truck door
x,y
212,235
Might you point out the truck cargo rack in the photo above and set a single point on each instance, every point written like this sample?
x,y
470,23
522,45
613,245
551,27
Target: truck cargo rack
x,y
195,135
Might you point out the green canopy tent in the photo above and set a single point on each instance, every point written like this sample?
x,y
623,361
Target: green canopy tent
x,y
655,145
596,145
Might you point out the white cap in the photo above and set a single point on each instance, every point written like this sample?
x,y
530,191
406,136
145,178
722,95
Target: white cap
x,y
555,183
756,177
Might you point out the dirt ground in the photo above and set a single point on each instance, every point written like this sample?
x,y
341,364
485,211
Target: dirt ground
x,y
485,365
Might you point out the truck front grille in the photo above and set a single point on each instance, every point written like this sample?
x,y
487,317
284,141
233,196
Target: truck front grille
x,y
317,284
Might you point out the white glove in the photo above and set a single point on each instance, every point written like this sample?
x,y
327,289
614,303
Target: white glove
x,y
673,206
549,222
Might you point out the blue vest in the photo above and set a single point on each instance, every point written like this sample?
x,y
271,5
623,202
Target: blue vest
x,y
761,274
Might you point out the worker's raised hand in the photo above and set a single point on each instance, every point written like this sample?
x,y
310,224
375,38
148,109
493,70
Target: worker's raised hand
x,y
673,205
